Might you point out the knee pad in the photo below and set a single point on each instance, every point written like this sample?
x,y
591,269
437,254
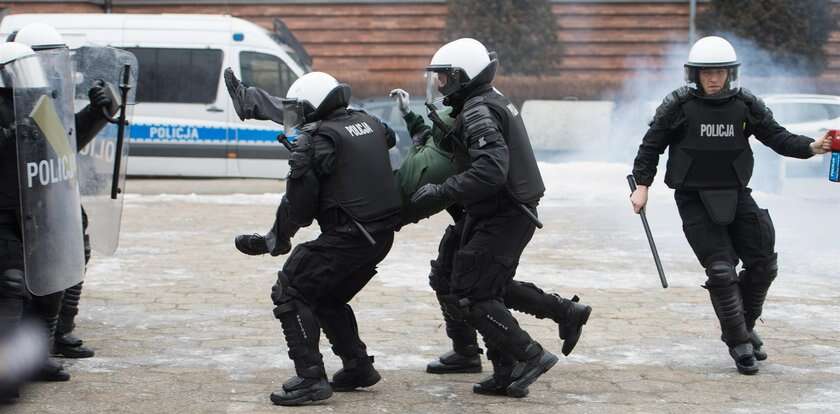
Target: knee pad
x,y
720,274
12,284
451,307
284,296
762,272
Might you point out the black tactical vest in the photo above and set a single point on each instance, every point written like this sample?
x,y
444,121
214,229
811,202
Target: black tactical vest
x,y
524,182
362,183
715,152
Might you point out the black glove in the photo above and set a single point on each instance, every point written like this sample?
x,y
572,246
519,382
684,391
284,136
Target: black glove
x,y
429,193
101,96
236,90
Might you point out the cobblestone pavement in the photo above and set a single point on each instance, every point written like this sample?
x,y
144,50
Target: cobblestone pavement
x,y
181,322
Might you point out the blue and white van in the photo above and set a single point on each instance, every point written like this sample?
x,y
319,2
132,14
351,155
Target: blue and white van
x,y
184,123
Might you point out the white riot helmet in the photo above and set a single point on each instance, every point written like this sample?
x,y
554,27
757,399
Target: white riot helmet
x,y
39,36
312,97
20,67
459,65
713,52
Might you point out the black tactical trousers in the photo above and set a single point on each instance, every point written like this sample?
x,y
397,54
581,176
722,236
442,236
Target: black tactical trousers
x,y
318,280
15,300
483,266
524,297
750,238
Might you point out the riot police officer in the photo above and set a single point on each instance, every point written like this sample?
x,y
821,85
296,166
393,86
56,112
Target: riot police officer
x,y
499,186
21,70
706,125
340,175
46,41
428,163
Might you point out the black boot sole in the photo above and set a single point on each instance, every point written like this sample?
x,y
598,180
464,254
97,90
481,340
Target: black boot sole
x,y
570,342
519,388
366,382
452,369
499,390
73,352
747,370
318,395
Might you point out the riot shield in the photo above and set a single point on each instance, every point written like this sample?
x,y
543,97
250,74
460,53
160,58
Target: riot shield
x,y
102,162
49,190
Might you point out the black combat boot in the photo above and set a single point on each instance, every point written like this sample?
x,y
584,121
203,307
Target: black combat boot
x,y
251,244
310,384
497,383
465,357
356,373
501,331
569,314
66,344
571,325
47,309
454,362
526,372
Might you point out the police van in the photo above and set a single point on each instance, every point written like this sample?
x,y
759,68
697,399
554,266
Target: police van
x,y
184,123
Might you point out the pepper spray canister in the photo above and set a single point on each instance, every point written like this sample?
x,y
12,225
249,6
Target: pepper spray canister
x,y
834,165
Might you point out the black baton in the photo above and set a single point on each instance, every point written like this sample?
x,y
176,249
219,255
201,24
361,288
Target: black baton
x,y
632,181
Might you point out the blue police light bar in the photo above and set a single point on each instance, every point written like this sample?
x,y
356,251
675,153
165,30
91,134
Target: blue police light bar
x,y
238,37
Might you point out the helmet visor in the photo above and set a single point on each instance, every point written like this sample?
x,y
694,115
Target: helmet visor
x,y
25,72
434,83
292,114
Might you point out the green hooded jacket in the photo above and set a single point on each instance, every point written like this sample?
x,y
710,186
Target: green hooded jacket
x,y
423,165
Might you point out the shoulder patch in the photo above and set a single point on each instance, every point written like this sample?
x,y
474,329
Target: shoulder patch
x,y
512,108
480,126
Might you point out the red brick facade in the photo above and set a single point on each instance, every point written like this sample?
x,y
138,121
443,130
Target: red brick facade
x,y
379,46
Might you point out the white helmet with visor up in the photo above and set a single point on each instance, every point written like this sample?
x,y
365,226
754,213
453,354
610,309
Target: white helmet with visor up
x,y
708,54
312,97
458,65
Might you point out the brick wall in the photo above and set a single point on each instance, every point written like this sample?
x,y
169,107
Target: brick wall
x,y
377,46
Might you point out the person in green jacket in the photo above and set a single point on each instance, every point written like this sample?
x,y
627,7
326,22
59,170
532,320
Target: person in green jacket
x,y
426,161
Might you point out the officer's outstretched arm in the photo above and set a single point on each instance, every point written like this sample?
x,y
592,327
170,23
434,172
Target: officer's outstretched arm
x,y
489,158
251,102
763,126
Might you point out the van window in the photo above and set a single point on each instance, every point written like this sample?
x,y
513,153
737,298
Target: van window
x,y
266,72
178,75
